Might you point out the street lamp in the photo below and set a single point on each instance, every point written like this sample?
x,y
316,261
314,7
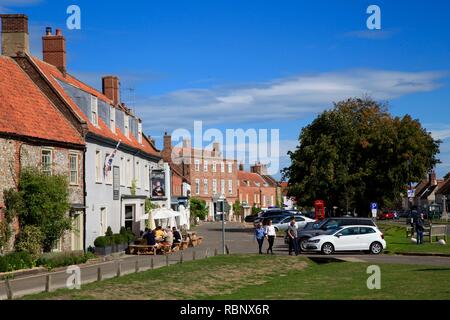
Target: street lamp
x,y
221,209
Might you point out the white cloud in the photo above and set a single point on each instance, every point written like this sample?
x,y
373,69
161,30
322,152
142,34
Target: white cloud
x,y
371,34
5,5
281,99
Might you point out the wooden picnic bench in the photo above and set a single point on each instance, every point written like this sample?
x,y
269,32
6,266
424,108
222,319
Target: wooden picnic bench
x,y
141,249
184,245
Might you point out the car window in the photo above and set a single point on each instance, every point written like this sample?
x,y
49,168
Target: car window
x,y
366,230
330,224
350,231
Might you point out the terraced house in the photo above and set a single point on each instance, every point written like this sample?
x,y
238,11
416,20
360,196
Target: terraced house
x,y
115,187
34,133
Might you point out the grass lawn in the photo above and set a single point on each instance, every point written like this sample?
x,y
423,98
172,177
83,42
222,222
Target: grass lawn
x,y
397,241
267,277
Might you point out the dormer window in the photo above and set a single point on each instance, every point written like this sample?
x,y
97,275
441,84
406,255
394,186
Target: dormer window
x,y
127,126
94,111
140,132
112,119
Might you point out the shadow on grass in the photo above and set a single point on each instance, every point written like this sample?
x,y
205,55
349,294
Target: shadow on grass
x,y
434,269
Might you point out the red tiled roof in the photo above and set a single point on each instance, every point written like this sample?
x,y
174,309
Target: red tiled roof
x,y
52,73
253,178
26,111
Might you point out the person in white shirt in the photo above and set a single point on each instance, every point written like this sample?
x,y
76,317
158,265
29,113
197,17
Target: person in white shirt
x,y
270,234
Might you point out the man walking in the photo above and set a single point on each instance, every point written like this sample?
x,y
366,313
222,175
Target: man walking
x,y
420,228
259,235
292,232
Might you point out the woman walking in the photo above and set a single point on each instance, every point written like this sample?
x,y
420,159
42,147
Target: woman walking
x,y
271,234
260,233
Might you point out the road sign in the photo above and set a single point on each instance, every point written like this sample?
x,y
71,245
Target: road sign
x,y
411,193
374,209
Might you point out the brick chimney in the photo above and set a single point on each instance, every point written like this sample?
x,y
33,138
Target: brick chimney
x,y
110,85
259,168
432,178
167,148
216,149
54,49
15,36
241,166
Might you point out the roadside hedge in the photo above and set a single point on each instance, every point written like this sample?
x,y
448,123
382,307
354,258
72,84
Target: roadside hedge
x,y
16,261
124,237
61,259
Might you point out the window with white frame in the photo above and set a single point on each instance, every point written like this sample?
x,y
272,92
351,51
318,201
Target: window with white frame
x,y
222,167
197,186
214,167
94,111
205,165
122,172
197,165
98,166
222,186
73,163
112,119
230,167
230,186
128,173
214,186
205,186
146,178
103,221
255,198
138,175
264,201
108,175
127,126
271,200
140,132
46,158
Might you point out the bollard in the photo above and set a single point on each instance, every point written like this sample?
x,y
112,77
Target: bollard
x,y
227,249
206,253
99,274
215,252
48,283
152,266
181,257
136,266
167,260
119,269
193,255
9,293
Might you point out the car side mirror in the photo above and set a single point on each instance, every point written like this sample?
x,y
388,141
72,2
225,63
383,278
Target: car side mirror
x,y
339,235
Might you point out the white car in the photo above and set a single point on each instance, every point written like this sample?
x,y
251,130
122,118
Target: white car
x,y
300,221
349,238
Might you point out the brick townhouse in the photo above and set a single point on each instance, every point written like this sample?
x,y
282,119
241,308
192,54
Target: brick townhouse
x,y
33,133
113,198
210,174
254,189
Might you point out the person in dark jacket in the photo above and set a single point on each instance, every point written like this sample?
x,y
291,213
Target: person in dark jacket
x,y
150,237
260,233
419,225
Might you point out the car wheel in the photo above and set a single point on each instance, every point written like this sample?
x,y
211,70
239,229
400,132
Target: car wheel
x,y
376,248
327,248
276,229
303,244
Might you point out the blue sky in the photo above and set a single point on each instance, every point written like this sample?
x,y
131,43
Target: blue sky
x,y
257,64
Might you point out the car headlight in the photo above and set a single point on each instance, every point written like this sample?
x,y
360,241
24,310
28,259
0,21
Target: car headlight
x,y
314,241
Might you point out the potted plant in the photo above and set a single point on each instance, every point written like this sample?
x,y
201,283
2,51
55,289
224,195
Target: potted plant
x,y
103,245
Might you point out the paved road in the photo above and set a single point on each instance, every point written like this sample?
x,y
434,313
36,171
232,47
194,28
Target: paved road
x,y
239,239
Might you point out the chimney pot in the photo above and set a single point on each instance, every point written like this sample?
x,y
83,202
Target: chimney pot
x,y
48,31
58,32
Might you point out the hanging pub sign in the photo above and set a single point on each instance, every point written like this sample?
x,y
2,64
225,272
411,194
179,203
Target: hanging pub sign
x,y
158,183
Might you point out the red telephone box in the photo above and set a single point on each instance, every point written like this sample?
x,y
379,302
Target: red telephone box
x,y
319,206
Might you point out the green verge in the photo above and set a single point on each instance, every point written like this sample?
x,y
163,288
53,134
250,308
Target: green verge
x,y
244,277
397,242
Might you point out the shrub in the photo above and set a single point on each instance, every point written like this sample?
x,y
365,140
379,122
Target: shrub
x,y
16,261
119,239
102,241
109,232
61,259
30,240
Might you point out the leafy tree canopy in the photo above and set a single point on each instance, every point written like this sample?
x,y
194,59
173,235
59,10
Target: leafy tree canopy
x,y
357,153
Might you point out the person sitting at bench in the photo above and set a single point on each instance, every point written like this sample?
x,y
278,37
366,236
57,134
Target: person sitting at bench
x,y
150,237
159,233
176,237
168,237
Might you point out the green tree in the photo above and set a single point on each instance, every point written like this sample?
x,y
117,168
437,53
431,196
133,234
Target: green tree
x,y
255,210
356,153
13,206
237,208
198,208
45,204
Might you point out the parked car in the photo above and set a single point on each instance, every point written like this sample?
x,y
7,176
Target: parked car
x,y
283,224
250,218
274,219
386,215
349,238
330,224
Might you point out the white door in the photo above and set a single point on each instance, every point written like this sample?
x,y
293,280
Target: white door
x,y
366,236
349,239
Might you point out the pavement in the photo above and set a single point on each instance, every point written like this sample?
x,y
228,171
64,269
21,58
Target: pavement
x,y
239,239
